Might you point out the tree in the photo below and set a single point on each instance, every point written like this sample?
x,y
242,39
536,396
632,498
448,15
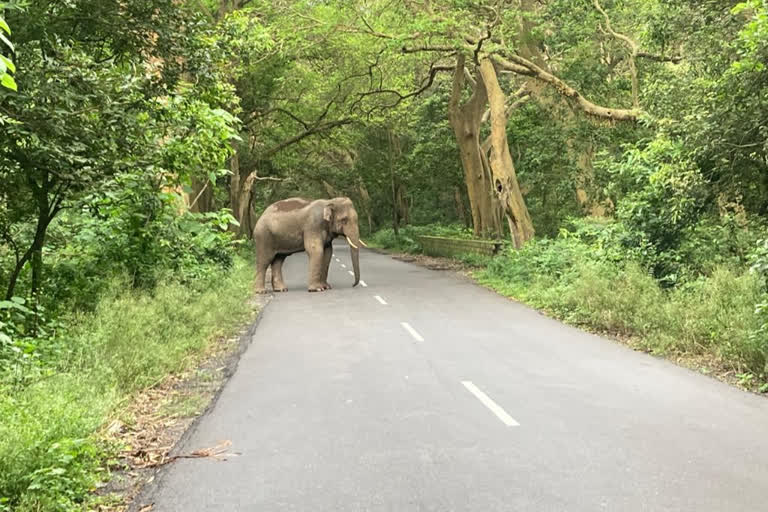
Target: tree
x,y
82,115
478,43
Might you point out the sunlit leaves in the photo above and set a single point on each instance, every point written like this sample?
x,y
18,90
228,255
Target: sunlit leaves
x,y
6,65
753,38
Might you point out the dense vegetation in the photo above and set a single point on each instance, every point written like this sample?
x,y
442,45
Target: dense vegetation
x,y
620,146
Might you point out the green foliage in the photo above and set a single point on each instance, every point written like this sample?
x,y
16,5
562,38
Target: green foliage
x,y
660,194
753,38
546,171
114,278
50,453
475,260
404,241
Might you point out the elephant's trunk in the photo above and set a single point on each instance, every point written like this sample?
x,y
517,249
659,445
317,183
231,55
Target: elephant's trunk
x,y
353,238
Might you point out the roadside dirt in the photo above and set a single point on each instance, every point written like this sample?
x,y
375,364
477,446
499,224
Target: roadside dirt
x,y
152,424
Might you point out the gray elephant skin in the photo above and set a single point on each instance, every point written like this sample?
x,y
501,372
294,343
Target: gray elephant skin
x,y
296,225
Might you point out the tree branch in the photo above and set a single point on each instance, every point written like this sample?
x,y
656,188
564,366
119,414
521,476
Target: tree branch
x,y
469,78
459,75
318,128
660,58
400,97
522,66
427,48
634,49
254,116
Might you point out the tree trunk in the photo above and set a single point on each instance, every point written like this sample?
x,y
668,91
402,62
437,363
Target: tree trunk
x,y
14,278
228,6
202,196
365,203
250,220
497,208
35,252
234,189
466,120
243,214
395,218
500,160
460,211
403,209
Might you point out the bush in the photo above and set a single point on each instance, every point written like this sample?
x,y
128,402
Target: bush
x,y
660,193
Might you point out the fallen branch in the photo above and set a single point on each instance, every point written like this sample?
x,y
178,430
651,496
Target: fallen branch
x,y
218,452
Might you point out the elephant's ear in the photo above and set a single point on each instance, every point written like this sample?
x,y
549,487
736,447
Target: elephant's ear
x,y
328,213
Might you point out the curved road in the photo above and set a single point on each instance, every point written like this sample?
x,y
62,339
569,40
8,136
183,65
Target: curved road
x,y
425,392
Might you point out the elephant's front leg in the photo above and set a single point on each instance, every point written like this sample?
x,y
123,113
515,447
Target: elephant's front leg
x,y
327,253
315,252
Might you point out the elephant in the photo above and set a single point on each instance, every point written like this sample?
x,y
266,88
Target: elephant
x,y
295,225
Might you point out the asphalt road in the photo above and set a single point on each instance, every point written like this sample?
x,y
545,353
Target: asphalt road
x,y
425,392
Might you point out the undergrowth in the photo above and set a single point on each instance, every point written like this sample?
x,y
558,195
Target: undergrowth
x,y
51,455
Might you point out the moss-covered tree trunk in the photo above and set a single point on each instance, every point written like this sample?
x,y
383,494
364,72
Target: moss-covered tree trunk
x,y
505,184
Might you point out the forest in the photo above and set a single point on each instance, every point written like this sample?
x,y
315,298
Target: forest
x,y
619,148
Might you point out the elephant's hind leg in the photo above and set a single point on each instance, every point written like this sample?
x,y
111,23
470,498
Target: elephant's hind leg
x,y
278,284
261,276
264,258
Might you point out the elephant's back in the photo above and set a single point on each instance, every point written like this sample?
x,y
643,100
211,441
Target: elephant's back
x,y
282,216
289,205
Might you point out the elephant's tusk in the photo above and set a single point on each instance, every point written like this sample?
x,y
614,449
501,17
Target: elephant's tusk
x,y
363,243
350,243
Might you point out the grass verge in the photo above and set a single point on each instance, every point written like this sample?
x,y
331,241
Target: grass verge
x,y
51,453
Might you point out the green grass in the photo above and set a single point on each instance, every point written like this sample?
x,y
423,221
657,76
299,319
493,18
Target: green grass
x,y
50,452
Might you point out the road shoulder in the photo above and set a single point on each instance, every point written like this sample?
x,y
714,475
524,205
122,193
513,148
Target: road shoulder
x,y
152,429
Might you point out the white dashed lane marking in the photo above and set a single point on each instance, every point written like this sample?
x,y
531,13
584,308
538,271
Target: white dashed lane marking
x,y
490,404
412,331
380,300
